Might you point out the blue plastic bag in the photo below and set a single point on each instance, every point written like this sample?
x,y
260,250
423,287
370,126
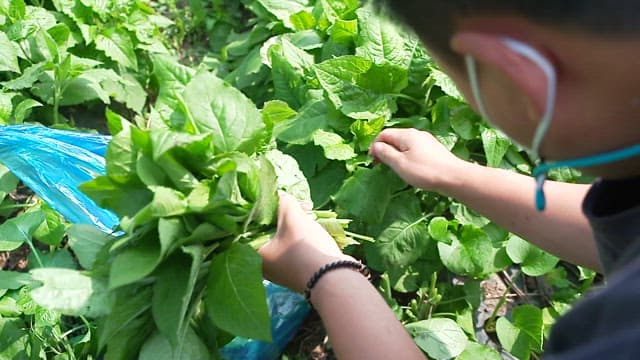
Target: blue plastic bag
x,y
53,163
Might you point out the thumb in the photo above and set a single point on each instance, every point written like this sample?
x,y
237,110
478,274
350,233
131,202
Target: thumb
x,y
386,154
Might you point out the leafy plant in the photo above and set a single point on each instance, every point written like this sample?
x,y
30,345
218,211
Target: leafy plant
x,y
229,101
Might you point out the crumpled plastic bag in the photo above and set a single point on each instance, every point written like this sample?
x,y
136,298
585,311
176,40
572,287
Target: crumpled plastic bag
x,y
53,163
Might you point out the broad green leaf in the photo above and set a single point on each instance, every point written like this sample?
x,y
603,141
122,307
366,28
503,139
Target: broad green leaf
x,y
130,338
9,58
470,254
14,341
6,107
533,260
381,40
121,157
70,292
440,338
327,183
87,241
8,181
266,205
22,109
135,262
217,108
367,193
366,131
60,258
277,112
19,230
9,308
236,299
167,202
466,216
475,351
446,84
513,339
288,78
338,9
171,77
528,318
341,77
333,146
157,347
89,85
284,9
301,128
12,280
172,293
289,177
118,46
439,229
52,230
403,241
495,146
130,304
197,146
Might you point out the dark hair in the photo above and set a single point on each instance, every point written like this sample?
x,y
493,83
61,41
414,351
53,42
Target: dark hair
x,y
434,20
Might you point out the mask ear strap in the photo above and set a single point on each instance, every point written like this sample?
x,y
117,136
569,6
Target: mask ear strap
x,y
552,87
472,71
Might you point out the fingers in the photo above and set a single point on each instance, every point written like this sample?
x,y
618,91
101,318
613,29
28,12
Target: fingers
x,y
401,139
386,154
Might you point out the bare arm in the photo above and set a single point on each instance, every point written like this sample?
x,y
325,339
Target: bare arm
x,y
504,197
359,322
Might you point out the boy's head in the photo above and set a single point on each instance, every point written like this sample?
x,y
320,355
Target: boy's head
x,y
593,45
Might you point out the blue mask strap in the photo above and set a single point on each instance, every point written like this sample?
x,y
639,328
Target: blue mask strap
x,y
540,172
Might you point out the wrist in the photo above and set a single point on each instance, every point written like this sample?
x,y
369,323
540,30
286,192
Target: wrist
x,y
454,178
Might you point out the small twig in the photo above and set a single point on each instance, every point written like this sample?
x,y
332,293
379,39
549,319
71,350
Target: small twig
x,y
511,284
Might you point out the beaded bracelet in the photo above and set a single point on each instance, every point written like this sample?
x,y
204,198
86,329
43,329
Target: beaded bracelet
x,y
348,264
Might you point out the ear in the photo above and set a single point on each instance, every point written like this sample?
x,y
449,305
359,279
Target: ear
x,y
490,50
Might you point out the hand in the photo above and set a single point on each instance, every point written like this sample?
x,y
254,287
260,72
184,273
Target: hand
x,y
300,247
418,158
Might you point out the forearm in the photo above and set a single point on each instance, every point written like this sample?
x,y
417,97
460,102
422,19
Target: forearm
x,y
507,199
359,322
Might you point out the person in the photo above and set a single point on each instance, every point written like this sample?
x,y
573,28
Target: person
x,y
560,77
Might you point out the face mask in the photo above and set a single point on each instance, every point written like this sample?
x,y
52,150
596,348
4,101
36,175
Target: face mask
x,y
541,171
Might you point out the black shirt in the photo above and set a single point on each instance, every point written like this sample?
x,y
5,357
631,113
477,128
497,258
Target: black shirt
x,y
606,323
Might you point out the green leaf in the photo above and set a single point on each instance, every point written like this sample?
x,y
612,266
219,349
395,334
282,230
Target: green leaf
x,y
381,41
8,181
167,202
440,338
219,109
301,128
52,230
236,299
12,280
469,254
70,292
290,178
9,58
533,260
367,193
266,205
446,84
135,262
495,146
157,347
129,306
60,258
28,77
341,79
439,230
14,341
333,146
172,293
118,46
513,339
402,242
87,241
475,351
284,9
22,109
18,230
